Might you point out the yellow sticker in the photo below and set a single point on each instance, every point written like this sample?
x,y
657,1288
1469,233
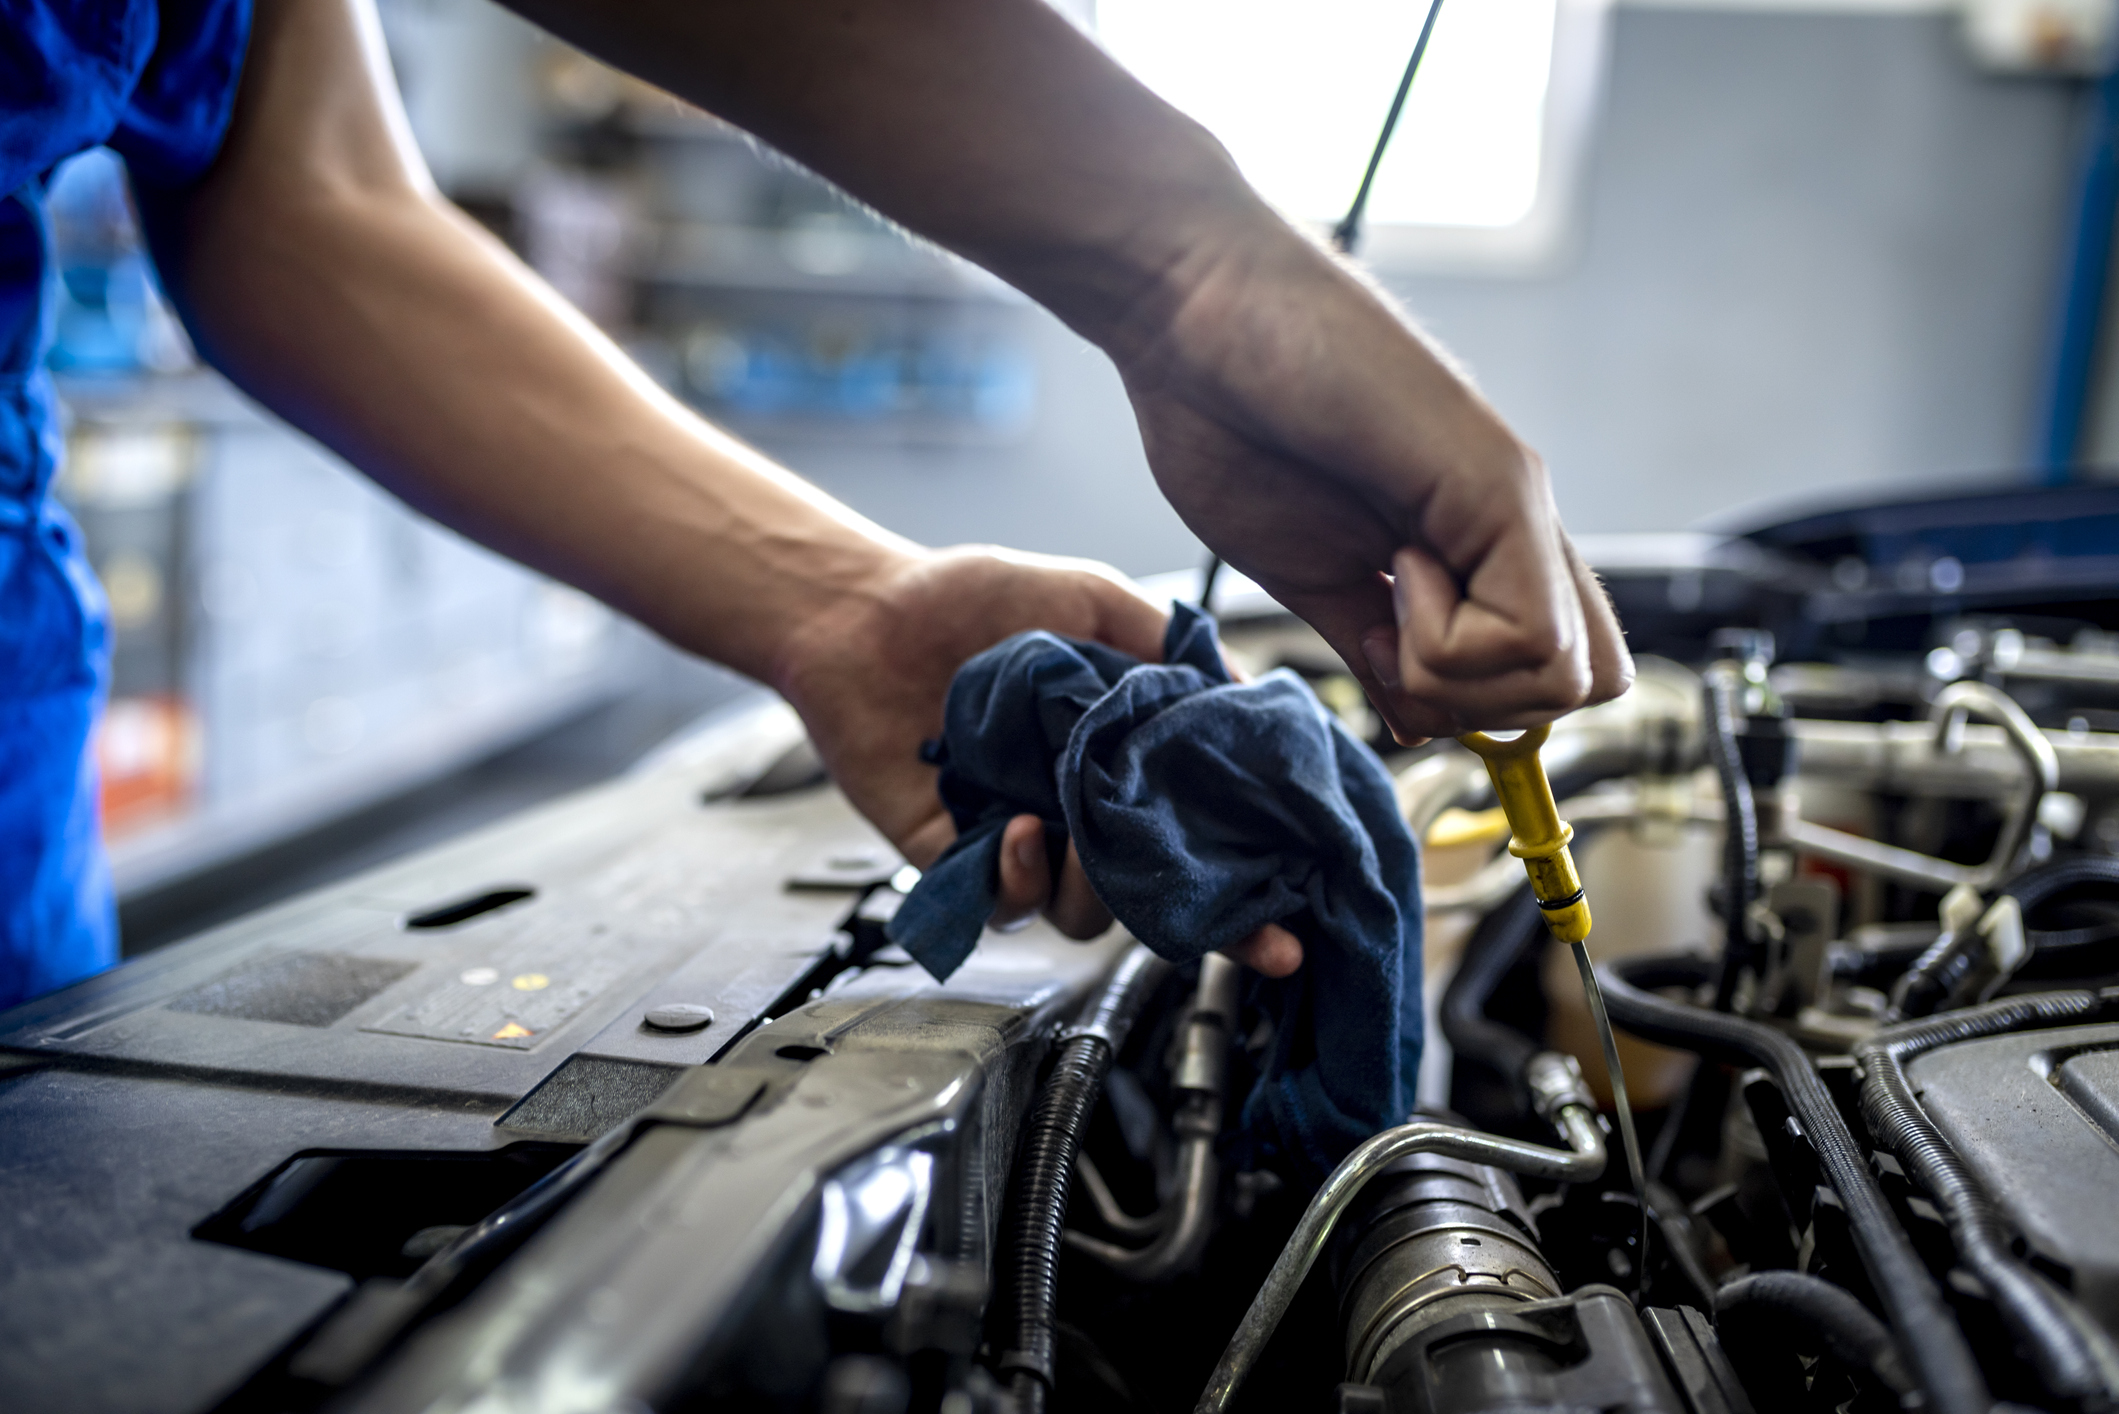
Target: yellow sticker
x,y
513,1031
531,982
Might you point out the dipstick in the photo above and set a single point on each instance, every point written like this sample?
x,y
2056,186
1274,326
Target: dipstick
x,y
1540,840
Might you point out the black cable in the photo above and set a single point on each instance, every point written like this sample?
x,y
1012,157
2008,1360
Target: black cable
x,y
1762,1320
1937,972
1028,1304
1041,1181
1739,834
1934,1346
1348,232
2046,1324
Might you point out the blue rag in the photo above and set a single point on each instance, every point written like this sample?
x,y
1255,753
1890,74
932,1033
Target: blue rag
x,y
1202,809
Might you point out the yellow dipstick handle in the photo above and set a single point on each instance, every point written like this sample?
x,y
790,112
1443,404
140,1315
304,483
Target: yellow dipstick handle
x,y
1541,836
1540,841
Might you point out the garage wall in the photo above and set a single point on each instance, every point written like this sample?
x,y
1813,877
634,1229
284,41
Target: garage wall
x,y
1817,251
1814,251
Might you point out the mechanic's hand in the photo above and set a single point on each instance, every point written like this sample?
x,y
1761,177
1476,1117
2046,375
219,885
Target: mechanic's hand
x,y
870,679
1304,430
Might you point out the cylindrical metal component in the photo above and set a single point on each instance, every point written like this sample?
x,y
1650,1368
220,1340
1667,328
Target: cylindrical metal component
x,y
1203,1055
1582,1161
1442,1238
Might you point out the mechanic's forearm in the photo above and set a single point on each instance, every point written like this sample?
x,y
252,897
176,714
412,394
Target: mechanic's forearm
x,y
989,126
316,266
461,384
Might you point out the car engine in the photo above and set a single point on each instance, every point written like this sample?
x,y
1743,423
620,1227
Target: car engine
x,y
629,1105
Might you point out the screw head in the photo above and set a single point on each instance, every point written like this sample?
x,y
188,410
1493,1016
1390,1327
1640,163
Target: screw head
x,y
679,1017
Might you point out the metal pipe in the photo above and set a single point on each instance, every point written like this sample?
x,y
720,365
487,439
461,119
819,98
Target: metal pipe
x,y
1904,866
1948,733
1108,1211
1562,1098
1186,1222
1903,757
1187,1219
2042,766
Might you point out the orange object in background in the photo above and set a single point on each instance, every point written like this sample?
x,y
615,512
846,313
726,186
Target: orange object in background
x,y
147,751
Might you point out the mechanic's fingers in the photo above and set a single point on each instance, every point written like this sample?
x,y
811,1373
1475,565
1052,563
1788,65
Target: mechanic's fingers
x,y
1126,618
1075,909
1520,609
1610,664
1272,950
1026,885
1358,624
1468,664
1026,873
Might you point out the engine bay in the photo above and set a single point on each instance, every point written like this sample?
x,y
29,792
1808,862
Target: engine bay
x,y
629,1104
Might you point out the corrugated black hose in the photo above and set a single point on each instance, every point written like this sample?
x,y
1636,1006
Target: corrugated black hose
x,y
1739,834
1929,1338
1044,1168
2053,1332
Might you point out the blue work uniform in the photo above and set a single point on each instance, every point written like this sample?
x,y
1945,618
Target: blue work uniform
x,y
155,82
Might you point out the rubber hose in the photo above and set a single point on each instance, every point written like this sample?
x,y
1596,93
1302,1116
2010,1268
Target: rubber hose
x,y
2052,1332
1034,1238
2055,950
2036,886
1941,1361
1494,948
1037,1210
1941,966
1739,835
1757,1314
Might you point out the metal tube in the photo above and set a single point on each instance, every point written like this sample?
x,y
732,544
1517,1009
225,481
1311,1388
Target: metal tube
x,y
1903,756
1583,1160
2041,764
1107,1206
1628,1139
1958,701
1187,1219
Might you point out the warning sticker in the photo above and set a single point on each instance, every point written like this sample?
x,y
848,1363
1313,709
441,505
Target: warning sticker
x,y
513,1000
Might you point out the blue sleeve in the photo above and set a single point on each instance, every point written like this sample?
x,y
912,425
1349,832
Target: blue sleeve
x,y
178,115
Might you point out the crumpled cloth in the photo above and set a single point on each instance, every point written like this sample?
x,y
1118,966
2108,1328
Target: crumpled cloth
x,y
1202,809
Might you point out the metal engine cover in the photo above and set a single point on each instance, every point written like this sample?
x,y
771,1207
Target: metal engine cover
x,y
2036,1118
658,960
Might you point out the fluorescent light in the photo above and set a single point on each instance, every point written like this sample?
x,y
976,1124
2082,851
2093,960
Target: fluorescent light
x,y
1297,93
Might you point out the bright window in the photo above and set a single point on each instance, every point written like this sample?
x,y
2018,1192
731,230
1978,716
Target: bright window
x,y
1298,91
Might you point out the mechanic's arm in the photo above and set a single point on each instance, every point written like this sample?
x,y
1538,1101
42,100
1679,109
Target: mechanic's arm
x,y
1299,424
316,266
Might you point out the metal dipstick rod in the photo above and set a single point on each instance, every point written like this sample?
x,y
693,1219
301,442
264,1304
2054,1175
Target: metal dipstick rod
x,y
1540,840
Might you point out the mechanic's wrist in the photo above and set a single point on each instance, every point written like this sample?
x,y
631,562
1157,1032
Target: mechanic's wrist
x,y
851,601
1209,240
757,597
